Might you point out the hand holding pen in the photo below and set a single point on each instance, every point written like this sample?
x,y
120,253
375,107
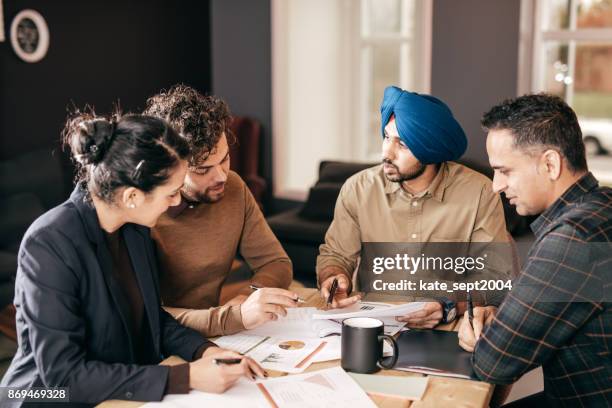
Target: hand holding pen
x,y
474,322
266,304
336,294
297,298
218,372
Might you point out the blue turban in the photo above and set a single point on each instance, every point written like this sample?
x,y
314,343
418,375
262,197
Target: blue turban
x,y
425,124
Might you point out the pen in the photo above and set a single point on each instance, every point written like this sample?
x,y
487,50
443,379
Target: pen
x,y
232,361
299,299
228,361
470,309
332,291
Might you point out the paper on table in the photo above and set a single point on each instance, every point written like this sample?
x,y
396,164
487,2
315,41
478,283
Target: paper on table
x,y
331,387
331,351
297,322
302,327
288,353
300,322
242,394
376,312
325,327
241,342
410,388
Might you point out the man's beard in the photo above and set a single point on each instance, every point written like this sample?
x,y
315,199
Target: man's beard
x,y
202,197
415,172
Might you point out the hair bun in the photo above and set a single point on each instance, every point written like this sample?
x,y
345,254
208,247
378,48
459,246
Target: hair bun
x,y
90,138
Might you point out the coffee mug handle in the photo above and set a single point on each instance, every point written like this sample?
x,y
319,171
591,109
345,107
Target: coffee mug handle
x,y
390,365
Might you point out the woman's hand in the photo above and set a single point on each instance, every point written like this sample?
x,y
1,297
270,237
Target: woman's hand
x,y
205,375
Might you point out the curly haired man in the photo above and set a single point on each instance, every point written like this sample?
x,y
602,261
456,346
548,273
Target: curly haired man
x,y
218,218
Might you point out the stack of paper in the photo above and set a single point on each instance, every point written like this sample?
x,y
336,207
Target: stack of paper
x,y
332,387
288,353
323,388
327,326
309,321
295,341
376,310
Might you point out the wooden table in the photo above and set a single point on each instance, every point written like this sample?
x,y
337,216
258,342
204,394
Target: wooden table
x,y
441,391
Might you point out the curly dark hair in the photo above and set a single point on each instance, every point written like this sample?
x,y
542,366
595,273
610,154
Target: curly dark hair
x,y
540,120
200,119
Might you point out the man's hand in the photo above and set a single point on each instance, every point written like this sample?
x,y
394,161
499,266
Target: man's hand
x,y
426,318
483,316
341,297
236,300
266,304
205,375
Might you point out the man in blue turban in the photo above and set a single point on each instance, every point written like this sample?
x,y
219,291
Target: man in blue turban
x,y
424,124
418,194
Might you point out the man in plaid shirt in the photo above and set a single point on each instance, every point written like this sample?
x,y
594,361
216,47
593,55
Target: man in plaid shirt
x,y
557,314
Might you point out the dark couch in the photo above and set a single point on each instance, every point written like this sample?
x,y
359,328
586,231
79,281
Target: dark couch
x,y
29,185
302,230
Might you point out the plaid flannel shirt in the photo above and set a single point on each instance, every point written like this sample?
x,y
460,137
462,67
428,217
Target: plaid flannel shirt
x,y
558,314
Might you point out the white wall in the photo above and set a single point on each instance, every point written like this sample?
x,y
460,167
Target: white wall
x,y
309,84
324,82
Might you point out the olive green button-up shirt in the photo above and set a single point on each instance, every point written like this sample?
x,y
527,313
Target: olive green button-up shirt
x,y
458,206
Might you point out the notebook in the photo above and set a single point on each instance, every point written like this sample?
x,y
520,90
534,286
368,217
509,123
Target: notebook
x,y
408,388
433,352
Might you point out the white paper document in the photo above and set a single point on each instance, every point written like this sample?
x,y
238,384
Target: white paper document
x,y
331,351
325,327
298,322
329,388
287,353
242,395
301,321
376,310
301,336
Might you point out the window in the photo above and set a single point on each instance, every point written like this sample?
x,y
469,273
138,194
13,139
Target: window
x,y
392,50
332,60
571,51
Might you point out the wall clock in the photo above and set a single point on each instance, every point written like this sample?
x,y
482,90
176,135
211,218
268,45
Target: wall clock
x,y
30,36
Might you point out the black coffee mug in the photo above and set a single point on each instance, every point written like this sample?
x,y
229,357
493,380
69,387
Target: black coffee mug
x,y
362,345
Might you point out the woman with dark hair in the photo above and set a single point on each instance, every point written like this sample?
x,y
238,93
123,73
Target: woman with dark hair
x,y
87,294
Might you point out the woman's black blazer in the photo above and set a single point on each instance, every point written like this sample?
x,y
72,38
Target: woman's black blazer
x,y
71,316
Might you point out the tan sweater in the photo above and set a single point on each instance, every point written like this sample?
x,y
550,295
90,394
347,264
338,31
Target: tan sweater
x,y
196,247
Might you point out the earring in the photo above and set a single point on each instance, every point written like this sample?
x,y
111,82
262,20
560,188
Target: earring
x,y
131,205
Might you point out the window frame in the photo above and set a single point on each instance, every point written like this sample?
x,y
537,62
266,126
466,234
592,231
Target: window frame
x,y
533,40
354,86
362,58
